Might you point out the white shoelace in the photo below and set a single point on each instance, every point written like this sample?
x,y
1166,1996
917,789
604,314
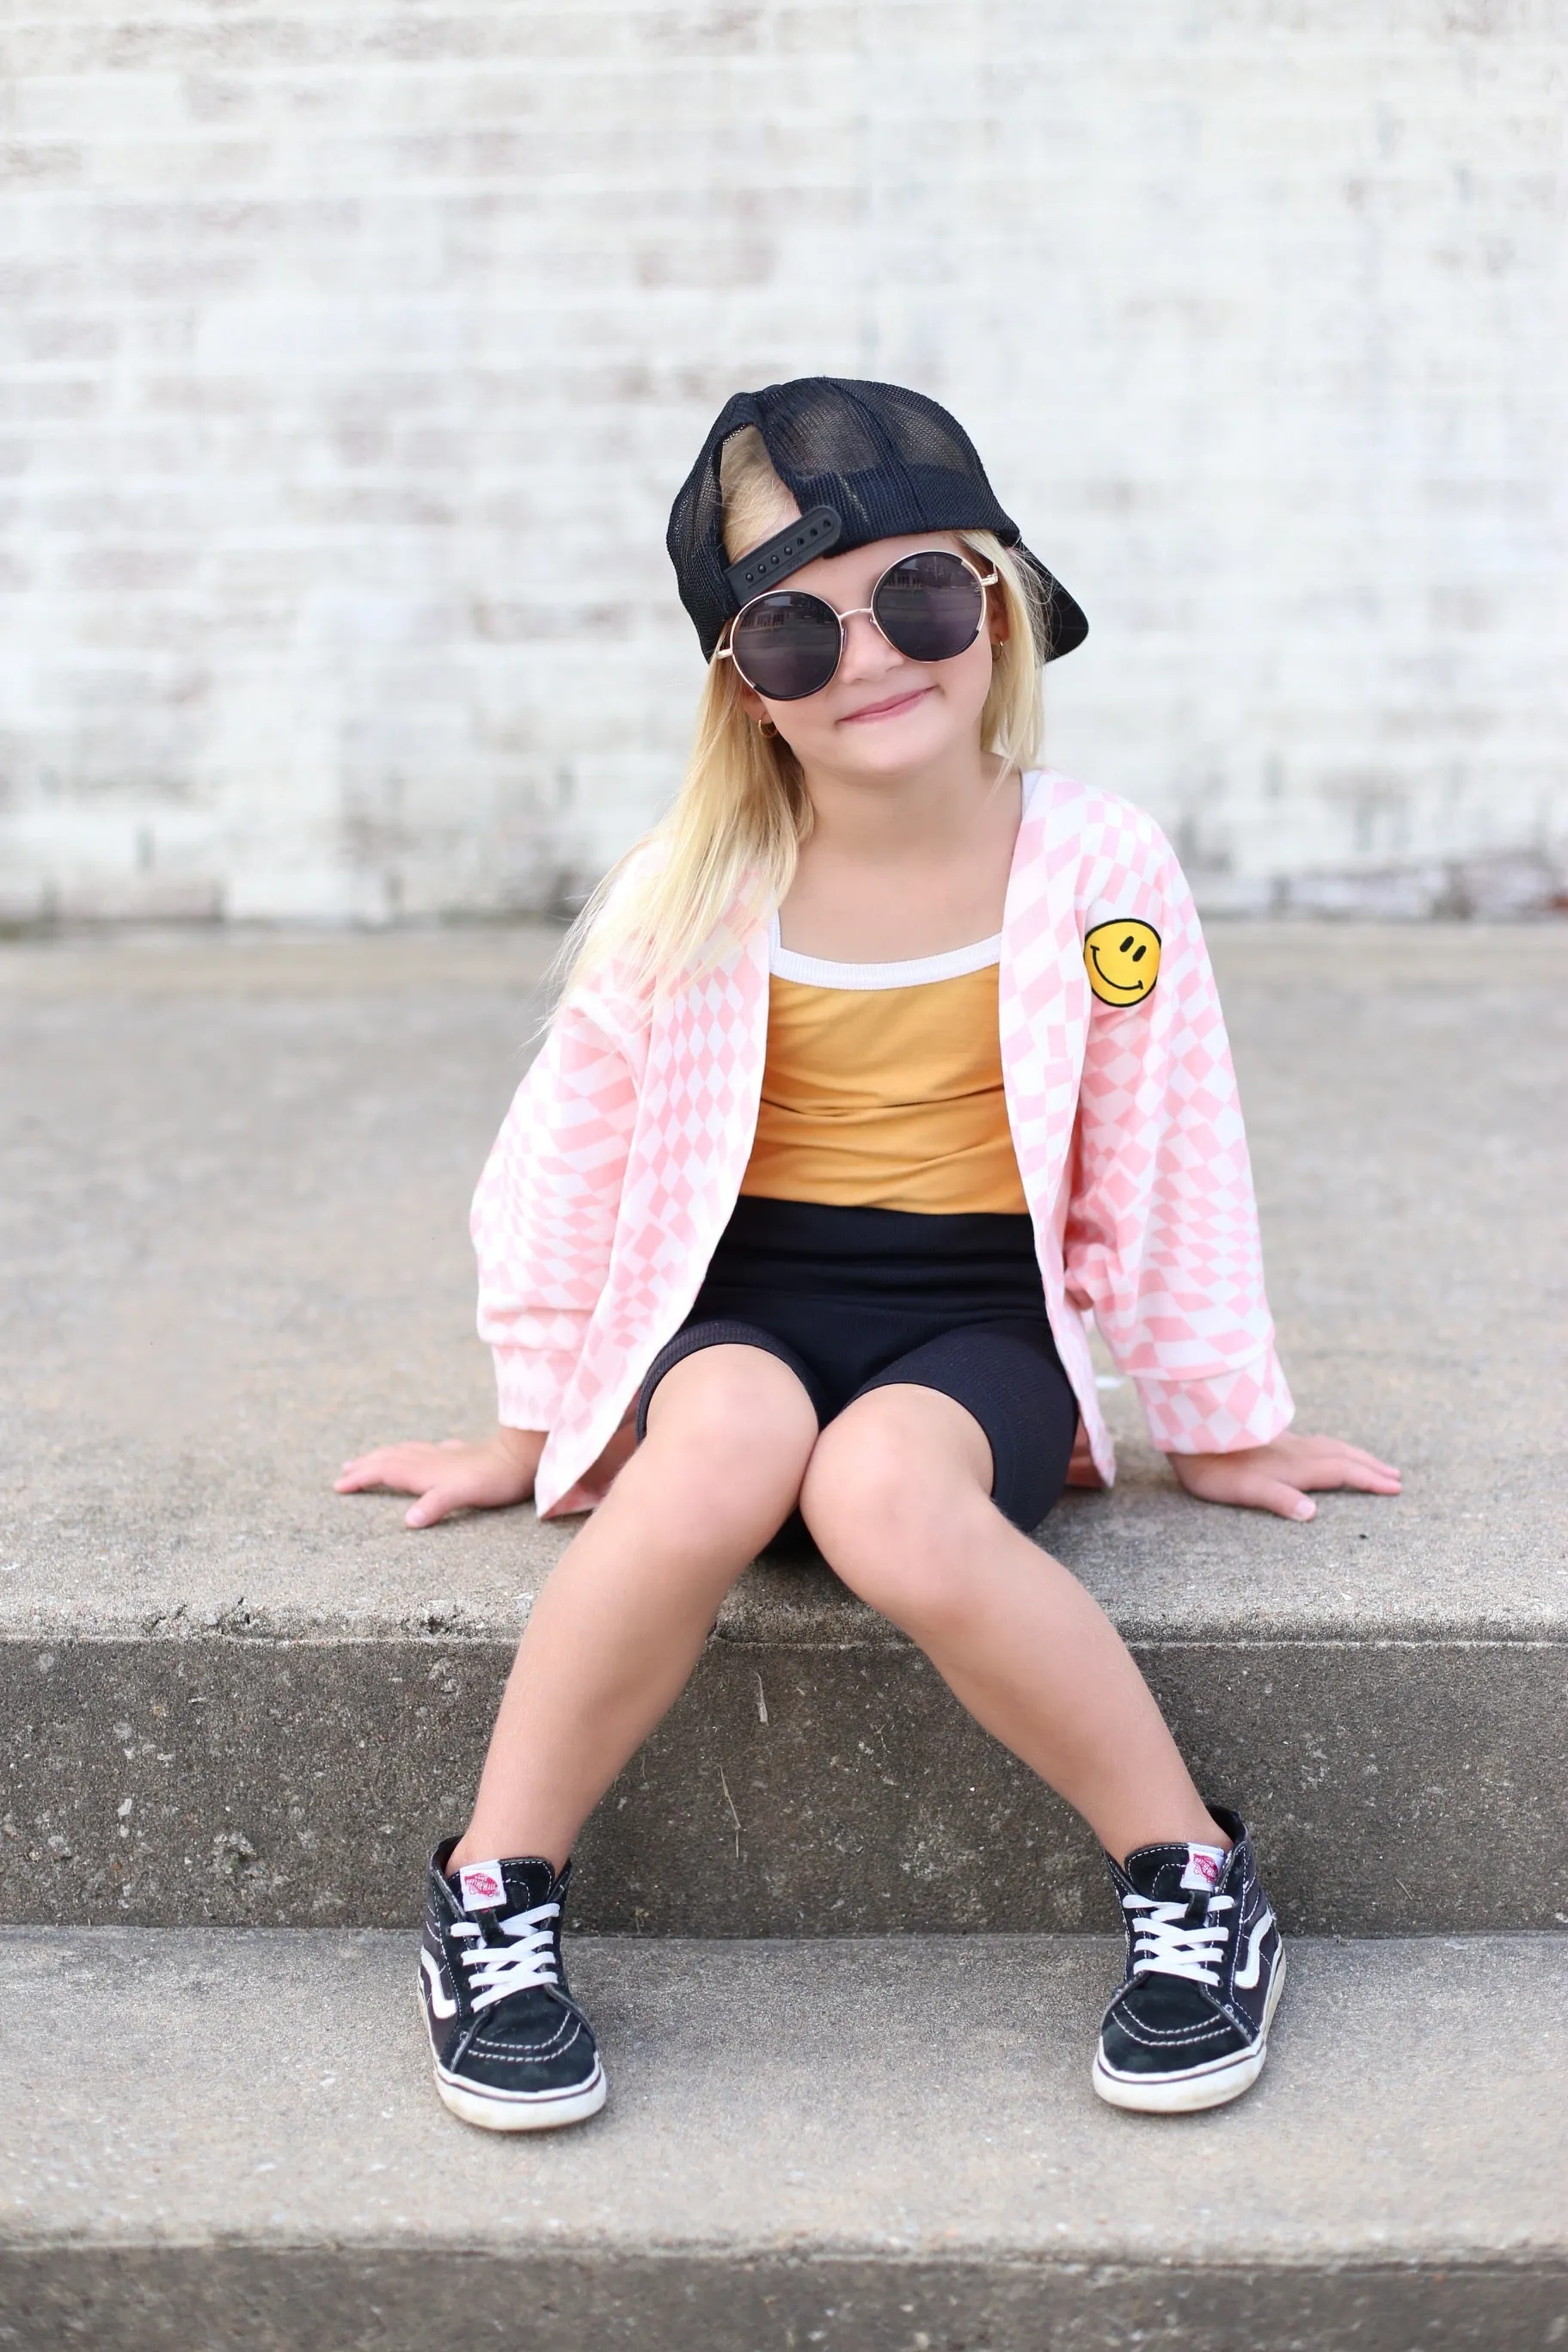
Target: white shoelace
x,y
1164,1945
494,1972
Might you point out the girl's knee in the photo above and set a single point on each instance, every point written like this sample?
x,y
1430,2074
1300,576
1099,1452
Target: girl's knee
x,y
733,1412
896,1519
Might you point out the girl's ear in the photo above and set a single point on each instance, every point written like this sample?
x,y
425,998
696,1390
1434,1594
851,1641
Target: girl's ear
x,y
996,617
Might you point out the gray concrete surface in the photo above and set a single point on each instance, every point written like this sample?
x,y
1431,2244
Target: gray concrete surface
x,y
887,2142
235,1175
1393,1788
236,1249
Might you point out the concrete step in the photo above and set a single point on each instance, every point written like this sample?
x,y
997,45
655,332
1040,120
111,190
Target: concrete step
x,y
236,1177
218,2139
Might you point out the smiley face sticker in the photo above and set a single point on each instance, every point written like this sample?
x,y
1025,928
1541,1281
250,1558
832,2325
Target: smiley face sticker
x,y
1122,961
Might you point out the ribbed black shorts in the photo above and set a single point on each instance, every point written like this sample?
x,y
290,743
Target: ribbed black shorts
x,y
854,1299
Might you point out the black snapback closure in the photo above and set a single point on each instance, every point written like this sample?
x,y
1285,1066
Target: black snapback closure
x,y
777,557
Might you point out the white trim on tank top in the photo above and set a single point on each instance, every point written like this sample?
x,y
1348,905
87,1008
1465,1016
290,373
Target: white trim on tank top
x,y
818,971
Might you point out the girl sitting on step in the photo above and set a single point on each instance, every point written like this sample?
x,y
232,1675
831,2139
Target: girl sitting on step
x,y
884,1062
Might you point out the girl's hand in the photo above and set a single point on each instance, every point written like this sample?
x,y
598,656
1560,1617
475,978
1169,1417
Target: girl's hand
x,y
1275,1477
452,1476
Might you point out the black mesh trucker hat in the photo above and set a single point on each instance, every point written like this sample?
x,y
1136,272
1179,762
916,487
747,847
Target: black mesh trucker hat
x,y
863,461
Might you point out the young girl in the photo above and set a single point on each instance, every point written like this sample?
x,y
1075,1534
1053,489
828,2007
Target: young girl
x,y
886,1061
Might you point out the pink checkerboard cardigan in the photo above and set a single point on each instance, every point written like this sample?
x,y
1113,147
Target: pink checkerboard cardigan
x,y
621,1157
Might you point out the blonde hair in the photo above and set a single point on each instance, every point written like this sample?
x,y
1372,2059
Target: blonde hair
x,y
724,854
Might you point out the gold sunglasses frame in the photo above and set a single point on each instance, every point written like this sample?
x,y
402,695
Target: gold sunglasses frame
x,y
983,581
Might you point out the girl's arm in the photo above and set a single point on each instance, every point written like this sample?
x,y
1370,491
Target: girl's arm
x,y
543,1222
543,1219
1161,1238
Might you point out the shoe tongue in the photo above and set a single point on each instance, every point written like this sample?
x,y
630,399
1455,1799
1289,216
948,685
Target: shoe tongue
x,y
1168,1873
504,1886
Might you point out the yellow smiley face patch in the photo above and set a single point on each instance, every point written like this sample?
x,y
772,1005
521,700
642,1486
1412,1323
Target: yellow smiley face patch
x,y
1122,961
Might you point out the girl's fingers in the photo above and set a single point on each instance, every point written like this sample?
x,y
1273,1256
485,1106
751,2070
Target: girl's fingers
x,y
371,1473
1276,1478
376,1459
1368,1479
1278,1495
1371,1482
407,1467
356,1475
1352,1459
1335,1449
430,1507
1248,1487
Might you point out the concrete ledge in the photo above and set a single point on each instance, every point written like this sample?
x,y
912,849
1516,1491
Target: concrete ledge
x,y
1394,1788
238,1177
311,2299
234,2142
237,1181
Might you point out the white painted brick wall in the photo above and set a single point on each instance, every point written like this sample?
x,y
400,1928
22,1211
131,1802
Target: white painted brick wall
x,y
352,352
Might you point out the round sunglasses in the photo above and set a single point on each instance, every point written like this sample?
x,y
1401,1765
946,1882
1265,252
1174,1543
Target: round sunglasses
x,y
930,607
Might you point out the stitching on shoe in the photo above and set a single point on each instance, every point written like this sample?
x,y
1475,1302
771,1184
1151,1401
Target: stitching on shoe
x,y
510,2047
1172,2041
501,2062
1156,2038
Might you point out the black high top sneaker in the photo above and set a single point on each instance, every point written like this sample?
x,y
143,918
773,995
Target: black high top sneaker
x,y
1205,1967
514,2052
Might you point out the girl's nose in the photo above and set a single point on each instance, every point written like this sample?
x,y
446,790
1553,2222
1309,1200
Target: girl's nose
x,y
867,653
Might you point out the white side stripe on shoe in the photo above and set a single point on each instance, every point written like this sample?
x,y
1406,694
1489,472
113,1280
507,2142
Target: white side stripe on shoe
x,y
1247,1977
440,2004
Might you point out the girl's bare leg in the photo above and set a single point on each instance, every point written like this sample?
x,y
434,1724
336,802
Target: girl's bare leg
x,y
898,1497
622,1621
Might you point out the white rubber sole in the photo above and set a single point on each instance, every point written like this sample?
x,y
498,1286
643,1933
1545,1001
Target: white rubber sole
x,y
547,2111
1214,2086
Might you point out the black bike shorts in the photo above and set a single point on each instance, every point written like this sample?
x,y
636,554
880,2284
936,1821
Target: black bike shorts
x,y
855,1299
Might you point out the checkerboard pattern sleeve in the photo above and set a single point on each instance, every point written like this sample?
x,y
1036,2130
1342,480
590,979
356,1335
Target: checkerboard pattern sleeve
x,y
545,1212
1161,1239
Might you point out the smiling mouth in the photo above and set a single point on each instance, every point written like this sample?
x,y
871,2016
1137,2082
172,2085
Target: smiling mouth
x,y
886,709
1127,987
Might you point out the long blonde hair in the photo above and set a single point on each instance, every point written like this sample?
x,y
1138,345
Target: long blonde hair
x,y
724,854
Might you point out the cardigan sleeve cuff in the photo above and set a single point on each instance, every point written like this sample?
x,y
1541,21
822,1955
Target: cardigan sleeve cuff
x,y
1237,1408
531,1383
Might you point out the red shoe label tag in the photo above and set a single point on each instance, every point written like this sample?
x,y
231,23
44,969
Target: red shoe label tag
x,y
484,1888
1204,1863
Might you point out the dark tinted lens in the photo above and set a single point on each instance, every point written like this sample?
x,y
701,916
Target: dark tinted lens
x,y
930,606
786,644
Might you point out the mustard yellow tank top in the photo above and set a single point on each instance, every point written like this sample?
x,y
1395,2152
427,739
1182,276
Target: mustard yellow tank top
x,y
882,1087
